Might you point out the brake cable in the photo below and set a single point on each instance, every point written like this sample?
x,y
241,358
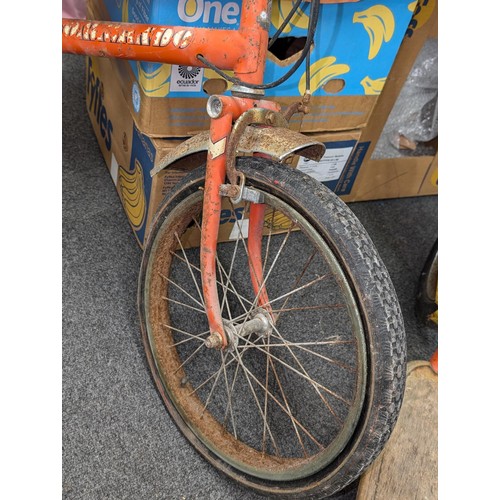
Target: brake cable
x,y
311,30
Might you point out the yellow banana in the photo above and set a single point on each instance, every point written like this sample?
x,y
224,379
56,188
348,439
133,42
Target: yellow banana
x,y
275,221
373,87
434,178
423,12
412,5
378,22
154,83
281,9
131,189
321,72
125,11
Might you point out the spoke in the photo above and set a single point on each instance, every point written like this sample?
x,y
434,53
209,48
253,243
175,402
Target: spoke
x,y
233,290
181,289
218,282
190,270
264,421
185,305
283,243
307,308
214,374
287,406
229,394
313,382
265,403
214,384
300,345
269,235
311,283
189,357
190,335
252,270
228,275
229,401
273,397
224,298
297,281
307,285
294,344
322,397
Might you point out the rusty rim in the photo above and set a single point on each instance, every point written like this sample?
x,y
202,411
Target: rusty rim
x,y
279,407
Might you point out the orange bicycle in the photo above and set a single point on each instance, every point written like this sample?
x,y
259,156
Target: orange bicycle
x,y
290,373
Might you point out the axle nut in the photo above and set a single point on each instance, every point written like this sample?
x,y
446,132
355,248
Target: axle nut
x,y
213,341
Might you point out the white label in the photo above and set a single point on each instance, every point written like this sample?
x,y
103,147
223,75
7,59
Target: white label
x,y
329,167
186,79
243,228
113,169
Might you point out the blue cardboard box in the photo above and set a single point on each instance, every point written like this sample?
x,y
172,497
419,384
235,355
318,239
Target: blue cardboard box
x,y
355,46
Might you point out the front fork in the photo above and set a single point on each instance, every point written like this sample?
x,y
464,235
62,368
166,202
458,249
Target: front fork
x,y
227,110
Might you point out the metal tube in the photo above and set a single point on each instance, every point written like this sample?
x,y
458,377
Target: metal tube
x,y
153,43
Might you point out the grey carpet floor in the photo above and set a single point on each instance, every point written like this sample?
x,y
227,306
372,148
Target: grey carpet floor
x,y
118,440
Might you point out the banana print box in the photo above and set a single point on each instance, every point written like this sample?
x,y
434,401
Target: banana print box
x,y
355,46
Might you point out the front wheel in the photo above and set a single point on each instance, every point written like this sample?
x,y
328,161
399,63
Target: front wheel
x,y
299,408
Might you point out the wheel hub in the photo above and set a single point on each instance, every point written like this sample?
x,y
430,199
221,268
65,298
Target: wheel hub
x,y
259,322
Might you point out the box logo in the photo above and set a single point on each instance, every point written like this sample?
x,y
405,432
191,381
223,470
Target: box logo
x,y
209,13
186,79
95,92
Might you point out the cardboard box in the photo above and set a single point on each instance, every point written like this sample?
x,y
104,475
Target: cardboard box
x,y
355,46
367,178
130,155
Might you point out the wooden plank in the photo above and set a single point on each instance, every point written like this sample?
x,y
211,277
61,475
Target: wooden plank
x,y
407,468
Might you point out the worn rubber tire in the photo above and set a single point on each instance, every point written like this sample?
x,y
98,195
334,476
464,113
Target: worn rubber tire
x,y
377,302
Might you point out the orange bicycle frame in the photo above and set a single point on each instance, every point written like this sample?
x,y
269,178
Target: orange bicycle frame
x,y
242,51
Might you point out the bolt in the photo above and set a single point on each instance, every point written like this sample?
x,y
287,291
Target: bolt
x,y
214,341
263,19
270,119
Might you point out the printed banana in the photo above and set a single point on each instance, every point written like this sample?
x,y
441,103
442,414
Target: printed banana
x,y
125,11
275,221
322,71
422,12
378,22
281,9
131,189
155,83
373,87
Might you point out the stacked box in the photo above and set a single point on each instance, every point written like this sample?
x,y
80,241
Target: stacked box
x,y
355,46
125,119
366,178
131,155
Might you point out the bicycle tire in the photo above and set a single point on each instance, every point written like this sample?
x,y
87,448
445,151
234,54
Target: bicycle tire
x,y
378,339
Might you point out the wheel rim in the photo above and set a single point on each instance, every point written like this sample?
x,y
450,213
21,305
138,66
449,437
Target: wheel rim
x,y
279,406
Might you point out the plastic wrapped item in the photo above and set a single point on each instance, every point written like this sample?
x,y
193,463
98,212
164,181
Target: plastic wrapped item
x,y
413,121
73,9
